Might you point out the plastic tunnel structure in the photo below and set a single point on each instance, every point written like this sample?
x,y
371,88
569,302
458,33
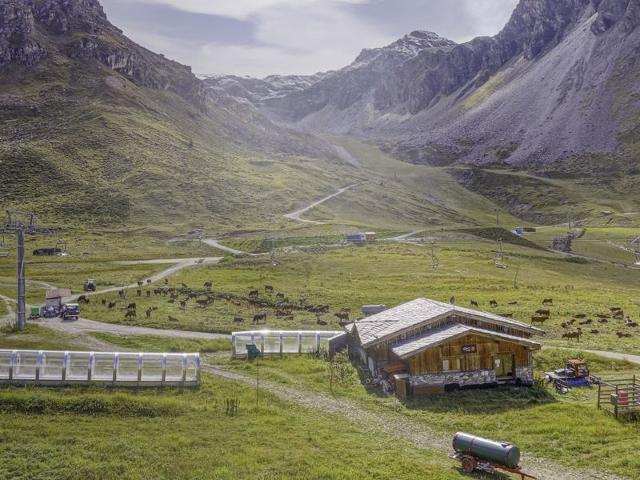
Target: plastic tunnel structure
x,y
29,367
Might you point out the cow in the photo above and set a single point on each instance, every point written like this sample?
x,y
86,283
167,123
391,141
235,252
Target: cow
x,y
203,303
513,303
238,320
603,320
140,284
538,319
259,317
580,315
104,301
321,322
131,306
268,289
208,285
148,281
254,293
543,312
111,305
172,319
183,304
569,335
493,304
280,296
130,314
586,322
474,304
139,292
342,316
595,332
618,315
148,312
547,301
623,335
148,293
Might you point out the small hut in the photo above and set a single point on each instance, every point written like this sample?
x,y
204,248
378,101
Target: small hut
x,y
430,346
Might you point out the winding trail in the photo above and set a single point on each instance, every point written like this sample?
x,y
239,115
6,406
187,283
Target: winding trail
x,y
180,265
212,242
611,355
84,326
297,215
396,425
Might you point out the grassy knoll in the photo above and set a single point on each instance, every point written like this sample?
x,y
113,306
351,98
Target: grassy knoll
x,y
566,428
35,337
84,433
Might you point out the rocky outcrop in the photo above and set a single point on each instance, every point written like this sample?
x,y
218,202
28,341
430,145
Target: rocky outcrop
x,y
624,13
17,35
33,30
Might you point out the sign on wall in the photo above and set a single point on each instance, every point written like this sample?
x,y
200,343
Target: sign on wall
x,y
468,349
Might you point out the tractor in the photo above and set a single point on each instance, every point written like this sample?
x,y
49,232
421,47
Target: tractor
x,y
90,285
574,374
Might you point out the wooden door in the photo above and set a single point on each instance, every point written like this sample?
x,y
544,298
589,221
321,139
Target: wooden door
x,y
504,365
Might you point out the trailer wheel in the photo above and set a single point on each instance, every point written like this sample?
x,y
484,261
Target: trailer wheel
x,y
469,464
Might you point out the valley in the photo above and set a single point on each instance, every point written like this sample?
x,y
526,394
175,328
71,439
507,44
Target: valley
x,y
495,178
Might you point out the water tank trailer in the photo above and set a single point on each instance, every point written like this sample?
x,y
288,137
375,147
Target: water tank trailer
x,y
476,453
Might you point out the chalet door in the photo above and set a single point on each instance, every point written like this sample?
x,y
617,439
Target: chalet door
x,y
503,364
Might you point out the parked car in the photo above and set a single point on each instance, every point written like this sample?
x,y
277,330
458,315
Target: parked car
x,y
70,311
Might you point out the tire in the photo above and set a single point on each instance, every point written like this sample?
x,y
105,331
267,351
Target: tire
x,y
469,464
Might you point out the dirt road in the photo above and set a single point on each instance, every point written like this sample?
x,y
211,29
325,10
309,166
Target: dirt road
x,y
297,215
398,426
84,326
182,264
212,242
612,355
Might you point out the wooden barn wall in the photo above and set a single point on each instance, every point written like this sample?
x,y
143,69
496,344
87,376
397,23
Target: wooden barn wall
x,y
430,361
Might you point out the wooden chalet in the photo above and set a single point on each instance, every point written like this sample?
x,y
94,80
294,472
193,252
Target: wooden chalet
x,y
428,346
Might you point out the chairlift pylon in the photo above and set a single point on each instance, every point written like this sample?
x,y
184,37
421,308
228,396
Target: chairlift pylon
x,y
499,258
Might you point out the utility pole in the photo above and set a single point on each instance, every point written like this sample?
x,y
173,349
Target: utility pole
x,y
21,224
435,263
497,210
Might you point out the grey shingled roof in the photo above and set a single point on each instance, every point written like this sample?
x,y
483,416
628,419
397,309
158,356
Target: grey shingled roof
x,y
435,337
378,327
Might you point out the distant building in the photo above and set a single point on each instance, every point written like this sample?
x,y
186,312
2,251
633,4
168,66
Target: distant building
x,y
426,346
357,238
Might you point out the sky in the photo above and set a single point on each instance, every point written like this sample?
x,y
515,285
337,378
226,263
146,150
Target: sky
x,y
263,37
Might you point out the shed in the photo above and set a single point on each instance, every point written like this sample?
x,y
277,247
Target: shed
x,y
358,238
54,297
434,347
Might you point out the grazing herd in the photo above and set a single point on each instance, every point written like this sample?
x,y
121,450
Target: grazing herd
x,y
573,327
183,296
269,302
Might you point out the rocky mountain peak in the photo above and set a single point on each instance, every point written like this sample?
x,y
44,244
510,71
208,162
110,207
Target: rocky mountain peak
x,y
64,16
406,47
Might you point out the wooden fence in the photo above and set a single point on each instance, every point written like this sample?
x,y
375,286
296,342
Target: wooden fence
x,y
620,397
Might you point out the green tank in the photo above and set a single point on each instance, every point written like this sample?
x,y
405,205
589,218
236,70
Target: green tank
x,y
500,453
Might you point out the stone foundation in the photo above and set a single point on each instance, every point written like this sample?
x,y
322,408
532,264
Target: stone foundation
x,y
476,377
525,374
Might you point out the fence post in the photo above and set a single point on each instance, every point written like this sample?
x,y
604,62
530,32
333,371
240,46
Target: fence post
x,y
317,343
90,366
281,345
11,358
164,368
184,369
65,366
615,406
38,365
599,391
116,365
233,345
140,364
299,343
262,345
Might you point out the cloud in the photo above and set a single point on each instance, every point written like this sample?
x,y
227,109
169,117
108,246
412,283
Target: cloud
x,y
263,37
241,9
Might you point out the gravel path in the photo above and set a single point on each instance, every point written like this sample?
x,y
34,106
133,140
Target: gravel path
x,y
397,426
84,326
212,242
296,216
612,355
180,265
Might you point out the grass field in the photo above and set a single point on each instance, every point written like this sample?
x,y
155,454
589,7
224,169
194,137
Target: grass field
x,y
394,273
565,428
94,433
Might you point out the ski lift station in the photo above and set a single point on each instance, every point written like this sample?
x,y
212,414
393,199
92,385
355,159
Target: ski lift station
x,y
56,368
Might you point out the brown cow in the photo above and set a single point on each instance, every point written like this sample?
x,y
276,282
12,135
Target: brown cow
x,y
547,301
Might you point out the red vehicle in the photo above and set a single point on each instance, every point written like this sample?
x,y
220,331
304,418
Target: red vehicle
x,y
70,311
